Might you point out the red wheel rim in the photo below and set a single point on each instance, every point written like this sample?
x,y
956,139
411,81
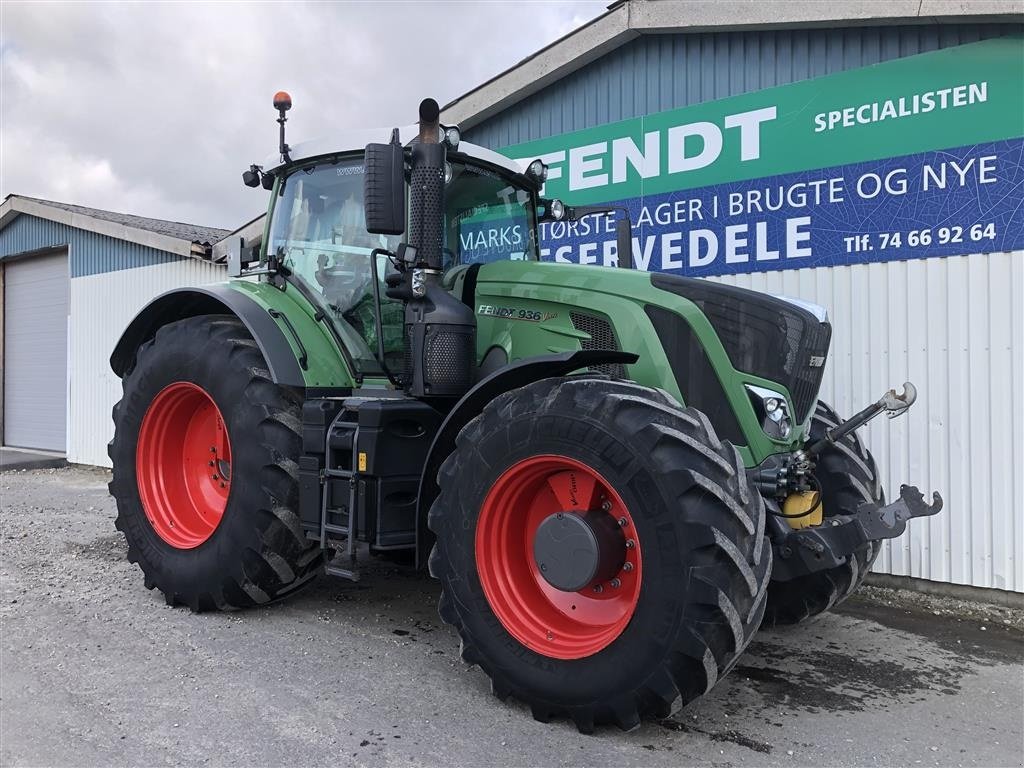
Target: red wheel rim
x,y
183,465
561,625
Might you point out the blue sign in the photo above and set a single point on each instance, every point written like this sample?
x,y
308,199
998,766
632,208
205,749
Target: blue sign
x,y
938,203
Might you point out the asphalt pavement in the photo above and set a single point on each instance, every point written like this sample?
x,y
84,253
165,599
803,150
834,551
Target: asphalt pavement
x,y
96,670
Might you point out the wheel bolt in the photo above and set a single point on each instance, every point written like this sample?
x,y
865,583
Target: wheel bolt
x,y
598,588
630,543
550,636
615,583
222,485
210,464
215,477
606,505
213,449
627,567
623,522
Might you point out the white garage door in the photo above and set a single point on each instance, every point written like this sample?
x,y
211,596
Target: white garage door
x,y
36,352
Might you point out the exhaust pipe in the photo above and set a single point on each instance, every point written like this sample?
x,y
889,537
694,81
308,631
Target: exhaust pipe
x,y
426,190
440,331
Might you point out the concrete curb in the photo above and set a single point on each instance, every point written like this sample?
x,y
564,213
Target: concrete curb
x,y
13,459
1000,597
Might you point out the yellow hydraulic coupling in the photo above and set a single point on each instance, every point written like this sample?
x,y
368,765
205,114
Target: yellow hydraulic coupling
x,y
803,509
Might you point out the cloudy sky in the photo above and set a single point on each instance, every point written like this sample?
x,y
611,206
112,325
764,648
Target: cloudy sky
x,y
156,108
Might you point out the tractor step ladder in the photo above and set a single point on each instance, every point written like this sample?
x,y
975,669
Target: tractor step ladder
x,y
344,564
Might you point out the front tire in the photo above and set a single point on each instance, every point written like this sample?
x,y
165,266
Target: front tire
x,y
205,469
676,620
848,477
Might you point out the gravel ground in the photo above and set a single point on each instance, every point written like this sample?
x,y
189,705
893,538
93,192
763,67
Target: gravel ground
x,y
96,670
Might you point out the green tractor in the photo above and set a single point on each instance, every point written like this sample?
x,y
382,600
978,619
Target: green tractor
x,y
615,476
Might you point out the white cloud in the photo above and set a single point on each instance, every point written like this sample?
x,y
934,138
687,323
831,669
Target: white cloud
x,y
156,108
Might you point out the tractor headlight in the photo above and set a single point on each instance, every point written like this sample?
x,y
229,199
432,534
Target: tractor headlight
x,y
452,137
773,411
537,171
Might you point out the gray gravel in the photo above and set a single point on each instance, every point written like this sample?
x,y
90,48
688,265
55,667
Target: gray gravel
x,y
96,670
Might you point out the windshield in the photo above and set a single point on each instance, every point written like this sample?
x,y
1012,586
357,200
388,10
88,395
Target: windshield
x,y
318,232
487,218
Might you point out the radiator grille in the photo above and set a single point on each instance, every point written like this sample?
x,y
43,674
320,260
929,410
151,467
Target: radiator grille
x,y
762,335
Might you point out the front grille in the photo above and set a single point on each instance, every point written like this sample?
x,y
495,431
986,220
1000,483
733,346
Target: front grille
x,y
602,336
762,335
696,377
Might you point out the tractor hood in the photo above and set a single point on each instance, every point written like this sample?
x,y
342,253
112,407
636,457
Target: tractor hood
x,y
710,344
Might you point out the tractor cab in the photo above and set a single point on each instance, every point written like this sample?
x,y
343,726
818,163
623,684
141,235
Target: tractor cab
x,y
318,234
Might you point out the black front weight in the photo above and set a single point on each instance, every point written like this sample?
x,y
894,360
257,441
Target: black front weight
x,y
828,545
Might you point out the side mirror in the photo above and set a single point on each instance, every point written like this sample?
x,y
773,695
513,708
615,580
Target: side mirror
x,y
384,188
235,249
623,225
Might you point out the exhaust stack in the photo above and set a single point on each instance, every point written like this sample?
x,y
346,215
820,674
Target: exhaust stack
x,y
426,190
440,331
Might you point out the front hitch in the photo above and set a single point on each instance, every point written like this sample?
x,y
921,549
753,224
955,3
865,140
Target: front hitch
x,y
829,545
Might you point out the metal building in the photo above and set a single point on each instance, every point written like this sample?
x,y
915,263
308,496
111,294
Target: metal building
x,y
939,307
71,278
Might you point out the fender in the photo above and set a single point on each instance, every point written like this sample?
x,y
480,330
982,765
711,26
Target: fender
x,y
512,376
181,303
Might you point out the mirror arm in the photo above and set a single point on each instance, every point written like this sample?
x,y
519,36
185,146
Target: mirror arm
x,y
623,234
377,312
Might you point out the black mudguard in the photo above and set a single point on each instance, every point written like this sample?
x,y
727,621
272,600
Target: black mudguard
x,y
217,300
512,376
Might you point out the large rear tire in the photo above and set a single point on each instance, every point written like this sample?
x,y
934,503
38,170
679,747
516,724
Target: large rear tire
x,y
205,470
689,592
848,477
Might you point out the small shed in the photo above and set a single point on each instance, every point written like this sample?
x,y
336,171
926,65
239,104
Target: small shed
x,y
71,278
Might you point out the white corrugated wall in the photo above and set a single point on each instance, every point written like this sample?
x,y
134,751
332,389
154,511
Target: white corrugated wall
x,y
954,327
101,306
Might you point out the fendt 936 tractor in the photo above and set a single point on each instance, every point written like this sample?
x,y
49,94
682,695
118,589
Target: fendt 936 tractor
x,y
615,475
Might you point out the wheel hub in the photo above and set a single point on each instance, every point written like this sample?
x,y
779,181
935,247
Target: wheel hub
x,y
574,551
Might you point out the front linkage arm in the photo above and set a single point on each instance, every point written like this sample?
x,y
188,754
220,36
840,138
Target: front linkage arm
x,y
826,546
895,405
793,473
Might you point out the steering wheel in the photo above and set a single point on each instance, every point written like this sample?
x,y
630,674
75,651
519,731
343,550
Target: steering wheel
x,y
344,281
